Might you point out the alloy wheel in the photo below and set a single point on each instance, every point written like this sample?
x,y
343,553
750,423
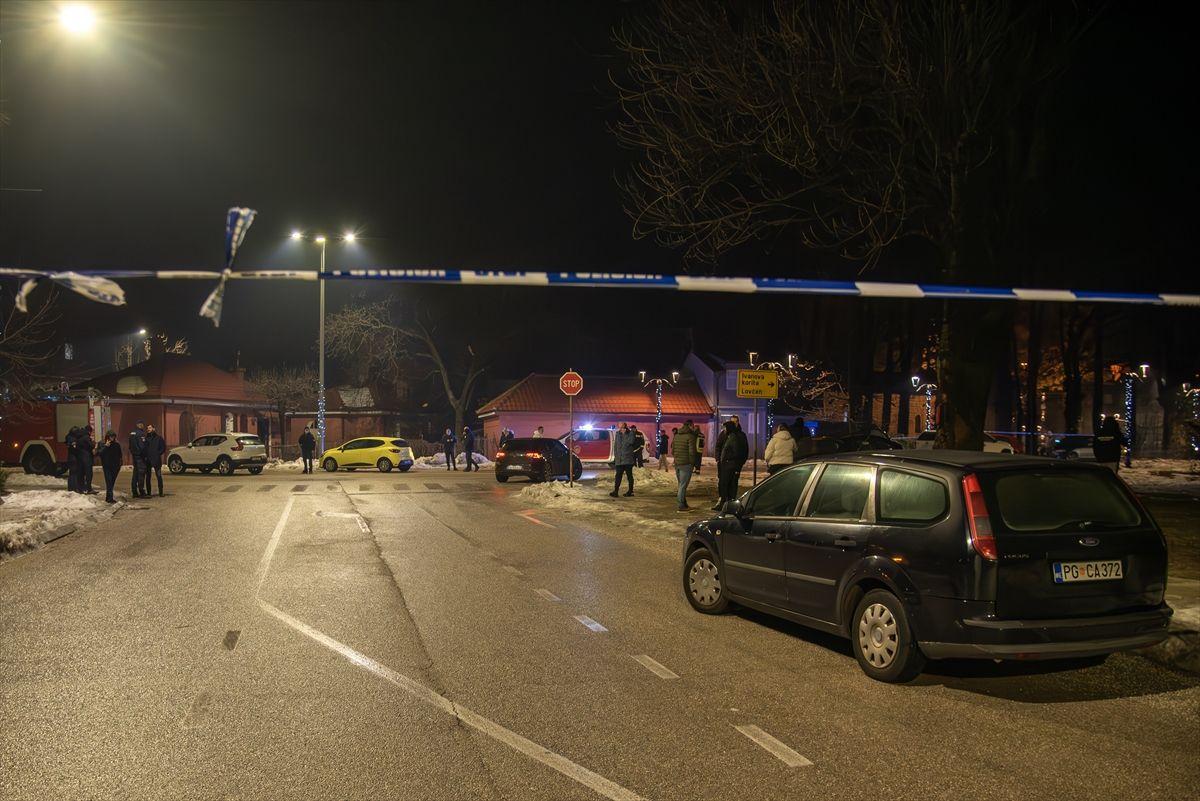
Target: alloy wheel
x,y
878,637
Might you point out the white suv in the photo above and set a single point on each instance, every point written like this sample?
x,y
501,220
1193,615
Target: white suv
x,y
225,452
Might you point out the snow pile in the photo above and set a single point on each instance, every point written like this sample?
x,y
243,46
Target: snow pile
x,y
1179,476
283,464
438,461
581,499
27,516
19,479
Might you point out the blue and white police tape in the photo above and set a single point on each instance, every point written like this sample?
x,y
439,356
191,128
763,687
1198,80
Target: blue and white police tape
x,y
681,283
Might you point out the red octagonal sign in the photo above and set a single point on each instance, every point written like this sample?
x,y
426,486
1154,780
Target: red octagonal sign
x,y
571,383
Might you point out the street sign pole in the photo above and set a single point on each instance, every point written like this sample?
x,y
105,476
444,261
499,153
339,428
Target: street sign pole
x,y
756,440
571,440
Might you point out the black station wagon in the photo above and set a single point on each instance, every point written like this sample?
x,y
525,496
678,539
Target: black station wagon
x,y
939,554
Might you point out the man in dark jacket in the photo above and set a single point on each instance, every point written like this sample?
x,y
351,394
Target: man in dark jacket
x,y
737,421
72,459
85,448
308,444
155,448
468,443
662,447
639,442
624,445
683,449
448,443
110,459
732,456
1107,442
137,446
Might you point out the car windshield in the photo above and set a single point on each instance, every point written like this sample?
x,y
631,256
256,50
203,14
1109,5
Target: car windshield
x,y
1056,500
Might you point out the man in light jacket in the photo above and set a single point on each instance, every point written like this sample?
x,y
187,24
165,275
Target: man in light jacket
x,y
781,450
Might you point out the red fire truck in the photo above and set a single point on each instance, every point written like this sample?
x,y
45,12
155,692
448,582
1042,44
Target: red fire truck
x,y
34,437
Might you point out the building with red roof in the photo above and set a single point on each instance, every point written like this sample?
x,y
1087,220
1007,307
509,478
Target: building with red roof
x,y
604,402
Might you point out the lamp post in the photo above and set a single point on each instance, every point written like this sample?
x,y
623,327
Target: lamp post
x,y
1128,377
658,392
319,239
782,370
928,387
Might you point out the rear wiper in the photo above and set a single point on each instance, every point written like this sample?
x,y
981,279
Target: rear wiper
x,y
1089,525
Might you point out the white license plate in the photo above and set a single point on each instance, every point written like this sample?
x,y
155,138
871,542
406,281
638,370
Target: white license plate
x,y
1108,570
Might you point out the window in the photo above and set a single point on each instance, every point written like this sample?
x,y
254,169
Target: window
x,y
779,494
1057,500
842,492
217,440
249,440
200,442
359,444
400,443
909,498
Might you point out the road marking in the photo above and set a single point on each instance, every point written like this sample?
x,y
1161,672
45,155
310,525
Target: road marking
x,y
364,487
591,624
403,488
513,570
231,638
358,518
197,711
266,488
232,488
334,486
429,485
550,759
264,564
528,515
300,488
549,596
784,754
657,668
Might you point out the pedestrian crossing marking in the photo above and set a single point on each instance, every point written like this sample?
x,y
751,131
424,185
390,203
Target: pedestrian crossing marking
x,y
433,486
232,488
300,488
266,488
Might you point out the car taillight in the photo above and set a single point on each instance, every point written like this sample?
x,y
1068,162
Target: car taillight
x,y
533,455
499,454
982,539
393,450
237,447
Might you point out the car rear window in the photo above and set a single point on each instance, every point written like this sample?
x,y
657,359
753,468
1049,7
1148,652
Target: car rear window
x,y
400,443
538,444
909,498
1054,500
249,441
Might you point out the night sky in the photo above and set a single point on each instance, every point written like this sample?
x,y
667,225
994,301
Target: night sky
x,y
467,136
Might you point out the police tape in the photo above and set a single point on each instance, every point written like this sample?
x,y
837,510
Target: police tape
x,y
97,284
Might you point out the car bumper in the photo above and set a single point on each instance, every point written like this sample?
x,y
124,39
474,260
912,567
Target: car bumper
x,y
252,461
988,638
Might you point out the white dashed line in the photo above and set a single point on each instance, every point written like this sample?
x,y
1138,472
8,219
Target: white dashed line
x,y
784,754
591,624
549,596
657,668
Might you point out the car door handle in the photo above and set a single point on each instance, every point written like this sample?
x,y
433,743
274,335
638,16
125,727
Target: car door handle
x,y
772,536
845,543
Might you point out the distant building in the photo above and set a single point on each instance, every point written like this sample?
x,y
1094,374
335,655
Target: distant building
x,y
605,401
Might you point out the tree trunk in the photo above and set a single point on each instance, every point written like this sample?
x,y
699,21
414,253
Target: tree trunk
x,y
972,337
889,380
1033,367
1071,326
906,365
1097,368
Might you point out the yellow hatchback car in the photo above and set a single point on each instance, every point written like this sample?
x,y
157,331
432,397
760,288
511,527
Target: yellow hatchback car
x,y
382,453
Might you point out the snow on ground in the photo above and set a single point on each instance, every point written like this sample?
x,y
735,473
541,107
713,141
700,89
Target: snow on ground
x,y
1178,476
586,500
19,479
284,464
438,461
28,515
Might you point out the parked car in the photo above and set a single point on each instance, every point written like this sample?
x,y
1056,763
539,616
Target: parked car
x,y
938,554
538,459
591,444
1073,446
991,444
382,453
224,452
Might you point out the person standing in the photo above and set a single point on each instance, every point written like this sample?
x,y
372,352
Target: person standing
x,y
468,444
539,432
505,438
624,444
699,460
85,448
737,421
683,450
110,460
662,447
72,459
639,444
734,452
1107,442
153,452
308,444
781,450
137,445
448,443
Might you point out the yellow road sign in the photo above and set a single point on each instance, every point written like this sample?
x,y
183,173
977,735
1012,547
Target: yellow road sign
x,y
758,384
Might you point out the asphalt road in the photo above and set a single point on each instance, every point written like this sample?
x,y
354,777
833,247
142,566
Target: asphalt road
x,y
411,636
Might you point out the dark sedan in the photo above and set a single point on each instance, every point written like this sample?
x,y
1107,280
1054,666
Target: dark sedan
x,y
940,554
536,458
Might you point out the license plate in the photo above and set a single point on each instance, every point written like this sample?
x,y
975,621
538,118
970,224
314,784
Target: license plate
x,y
1067,572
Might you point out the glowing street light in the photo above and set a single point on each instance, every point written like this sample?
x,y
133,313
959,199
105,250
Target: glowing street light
x,y
297,236
349,236
77,18
320,240
141,332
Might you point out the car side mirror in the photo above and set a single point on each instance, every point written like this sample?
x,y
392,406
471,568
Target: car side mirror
x,y
734,507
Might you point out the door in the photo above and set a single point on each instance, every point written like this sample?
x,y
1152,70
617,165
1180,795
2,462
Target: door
x,y
200,453
829,537
752,549
358,452
1071,542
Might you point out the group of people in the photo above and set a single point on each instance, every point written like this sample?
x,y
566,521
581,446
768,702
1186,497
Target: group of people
x,y
468,448
146,451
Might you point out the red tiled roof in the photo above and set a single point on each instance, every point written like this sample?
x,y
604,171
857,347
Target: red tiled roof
x,y
170,375
601,395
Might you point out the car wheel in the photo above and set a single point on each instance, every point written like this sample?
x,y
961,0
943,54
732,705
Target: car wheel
x,y
330,465
501,479
882,639
702,583
225,466
577,470
176,465
384,465
38,462
547,472
1071,455
254,471
206,470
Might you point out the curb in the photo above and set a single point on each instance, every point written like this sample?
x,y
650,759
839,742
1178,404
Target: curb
x,y
1180,651
62,531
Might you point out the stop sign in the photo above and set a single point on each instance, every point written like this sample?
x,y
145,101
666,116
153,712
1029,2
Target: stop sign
x,y
571,383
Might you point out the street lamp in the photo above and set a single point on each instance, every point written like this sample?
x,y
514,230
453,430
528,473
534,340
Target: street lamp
x,y
1128,377
77,18
928,387
658,392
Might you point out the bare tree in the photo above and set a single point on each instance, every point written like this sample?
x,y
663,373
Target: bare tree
x,y
805,385
369,336
287,389
26,349
854,125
